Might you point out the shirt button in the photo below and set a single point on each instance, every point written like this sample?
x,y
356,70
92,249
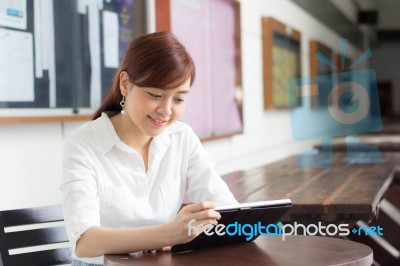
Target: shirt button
x,y
75,234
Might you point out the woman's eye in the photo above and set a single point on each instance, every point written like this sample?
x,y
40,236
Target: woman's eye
x,y
154,95
179,100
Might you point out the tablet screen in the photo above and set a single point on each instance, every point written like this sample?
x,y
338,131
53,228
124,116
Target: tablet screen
x,y
239,223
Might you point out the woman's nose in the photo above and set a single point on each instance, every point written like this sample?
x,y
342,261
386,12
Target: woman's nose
x,y
165,108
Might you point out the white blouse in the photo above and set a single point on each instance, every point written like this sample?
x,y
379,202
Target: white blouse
x,y
105,182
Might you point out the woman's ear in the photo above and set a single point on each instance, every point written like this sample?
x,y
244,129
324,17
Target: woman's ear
x,y
123,82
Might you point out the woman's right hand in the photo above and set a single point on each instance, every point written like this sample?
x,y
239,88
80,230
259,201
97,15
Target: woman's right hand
x,y
191,220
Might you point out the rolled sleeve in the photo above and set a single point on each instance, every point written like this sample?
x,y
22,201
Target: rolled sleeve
x,y
79,188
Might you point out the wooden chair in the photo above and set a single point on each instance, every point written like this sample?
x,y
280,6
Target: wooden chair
x,y
24,232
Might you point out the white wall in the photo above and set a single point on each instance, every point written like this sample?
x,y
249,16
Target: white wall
x,y
30,157
30,153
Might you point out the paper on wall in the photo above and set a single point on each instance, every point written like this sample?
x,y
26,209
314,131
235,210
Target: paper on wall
x,y
16,66
13,14
110,39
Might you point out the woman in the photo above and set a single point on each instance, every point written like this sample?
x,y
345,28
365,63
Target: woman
x,y
126,173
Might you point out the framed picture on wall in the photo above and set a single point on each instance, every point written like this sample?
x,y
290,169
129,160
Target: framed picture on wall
x,y
210,30
281,62
321,68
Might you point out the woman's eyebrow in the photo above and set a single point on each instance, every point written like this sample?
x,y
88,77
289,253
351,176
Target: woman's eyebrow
x,y
183,92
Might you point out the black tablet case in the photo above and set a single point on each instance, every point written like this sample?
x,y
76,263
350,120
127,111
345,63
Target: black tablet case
x,y
266,215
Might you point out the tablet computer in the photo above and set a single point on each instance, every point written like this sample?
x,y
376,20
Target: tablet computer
x,y
239,223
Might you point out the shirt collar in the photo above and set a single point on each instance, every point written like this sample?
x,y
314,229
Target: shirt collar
x,y
106,138
104,133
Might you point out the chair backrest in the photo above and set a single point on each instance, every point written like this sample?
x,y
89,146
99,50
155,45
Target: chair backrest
x,y
25,232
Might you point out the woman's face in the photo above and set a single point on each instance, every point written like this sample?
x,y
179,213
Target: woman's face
x,y
152,109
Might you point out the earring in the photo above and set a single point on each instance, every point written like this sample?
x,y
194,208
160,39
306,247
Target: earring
x,y
122,103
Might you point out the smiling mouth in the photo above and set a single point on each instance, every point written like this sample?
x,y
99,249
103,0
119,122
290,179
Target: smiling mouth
x,y
157,122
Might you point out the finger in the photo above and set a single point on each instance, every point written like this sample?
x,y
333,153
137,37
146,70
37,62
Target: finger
x,y
207,221
205,214
196,207
164,249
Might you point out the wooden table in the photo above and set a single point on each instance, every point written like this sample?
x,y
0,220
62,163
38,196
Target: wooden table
x,y
265,250
344,193
383,143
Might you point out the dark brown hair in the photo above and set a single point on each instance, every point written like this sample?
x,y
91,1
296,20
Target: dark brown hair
x,y
156,60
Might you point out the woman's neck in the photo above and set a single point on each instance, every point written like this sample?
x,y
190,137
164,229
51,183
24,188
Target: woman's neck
x,y
129,133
